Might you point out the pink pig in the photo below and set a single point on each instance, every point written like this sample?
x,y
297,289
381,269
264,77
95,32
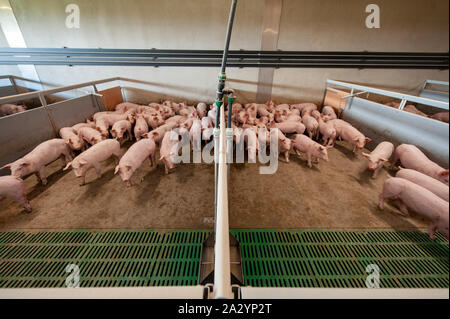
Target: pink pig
x,y
92,157
202,109
411,157
378,156
328,132
353,137
8,109
311,124
120,128
328,113
168,150
421,200
126,106
41,155
141,127
76,127
289,127
14,188
102,126
71,138
441,116
132,160
308,108
433,185
90,135
304,144
284,144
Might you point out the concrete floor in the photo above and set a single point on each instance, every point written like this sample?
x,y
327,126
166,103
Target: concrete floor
x,y
335,195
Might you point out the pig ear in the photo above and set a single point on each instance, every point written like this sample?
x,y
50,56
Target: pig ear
x,y
368,139
82,162
145,135
6,166
321,147
67,166
161,158
444,173
116,169
365,154
383,159
67,141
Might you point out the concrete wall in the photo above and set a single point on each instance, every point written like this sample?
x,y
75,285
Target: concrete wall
x,y
406,25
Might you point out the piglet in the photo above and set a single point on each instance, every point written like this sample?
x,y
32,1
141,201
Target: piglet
x,y
71,138
92,157
411,157
90,135
410,195
354,137
132,160
120,128
311,124
284,144
441,116
141,126
328,113
308,108
328,132
76,127
8,109
378,156
289,127
201,109
13,187
433,185
304,144
102,126
168,150
41,155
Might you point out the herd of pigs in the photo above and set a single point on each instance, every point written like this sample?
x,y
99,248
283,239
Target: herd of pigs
x,y
420,185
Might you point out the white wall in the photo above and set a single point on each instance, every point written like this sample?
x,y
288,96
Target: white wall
x,y
406,25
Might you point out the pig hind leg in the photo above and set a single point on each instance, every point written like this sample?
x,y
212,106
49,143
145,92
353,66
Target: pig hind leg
x,y
402,207
431,230
41,175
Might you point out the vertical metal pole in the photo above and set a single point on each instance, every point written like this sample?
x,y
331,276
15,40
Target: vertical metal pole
x,y
222,277
44,105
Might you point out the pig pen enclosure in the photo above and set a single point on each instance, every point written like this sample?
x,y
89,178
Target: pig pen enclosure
x,y
300,227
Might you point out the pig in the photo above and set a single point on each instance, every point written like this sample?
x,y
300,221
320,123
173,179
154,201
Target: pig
x,y
298,107
195,134
378,156
177,119
127,106
90,135
141,127
304,144
328,132
158,134
308,108
153,120
311,125
189,111
251,140
102,126
92,157
284,144
412,109
41,155
393,104
440,116
134,157
280,115
168,150
315,114
353,137
201,110
282,107
289,127
14,188
412,157
410,195
113,117
71,138
8,109
328,113
433,185
243,117
262,110
76,127
212,115
120,128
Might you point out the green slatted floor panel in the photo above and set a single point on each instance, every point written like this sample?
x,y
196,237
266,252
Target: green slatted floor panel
x,y
105,259
314,258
